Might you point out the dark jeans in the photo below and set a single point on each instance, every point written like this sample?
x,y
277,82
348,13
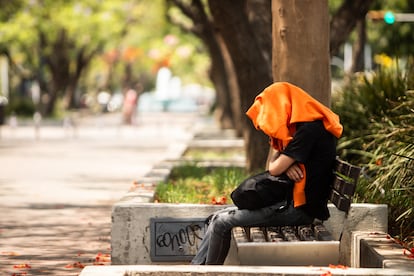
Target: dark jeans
x,y
216,242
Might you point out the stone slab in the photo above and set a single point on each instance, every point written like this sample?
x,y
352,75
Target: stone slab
x,y
179,270
384,252
356,237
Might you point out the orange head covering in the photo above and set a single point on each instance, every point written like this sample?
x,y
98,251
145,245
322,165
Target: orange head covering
x,y
281,105
275,112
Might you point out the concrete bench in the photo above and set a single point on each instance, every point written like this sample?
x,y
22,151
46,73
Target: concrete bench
x,y
131,227
299,245
131,241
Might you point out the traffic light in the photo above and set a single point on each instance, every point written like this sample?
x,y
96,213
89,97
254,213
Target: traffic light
x,y
382,16
389,17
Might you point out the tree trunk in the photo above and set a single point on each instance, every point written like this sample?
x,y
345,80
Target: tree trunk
x,y
358,62
58,62
251,66
345,20
219,77
301,46
83,60
233,87
220,73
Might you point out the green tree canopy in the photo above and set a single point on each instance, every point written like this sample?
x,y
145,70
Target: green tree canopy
x,y
60,43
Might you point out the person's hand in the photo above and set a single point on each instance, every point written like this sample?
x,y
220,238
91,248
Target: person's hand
x,y
294,173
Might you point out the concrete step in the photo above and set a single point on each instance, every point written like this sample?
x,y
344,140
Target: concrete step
x,y
179,270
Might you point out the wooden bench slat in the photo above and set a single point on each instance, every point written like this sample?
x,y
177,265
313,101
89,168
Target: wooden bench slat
x,y
257,235
312,232
240,235
321,233
273,235
341,202
347,169
343,187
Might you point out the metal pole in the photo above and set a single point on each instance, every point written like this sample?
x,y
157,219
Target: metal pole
x,y
404,17
4,77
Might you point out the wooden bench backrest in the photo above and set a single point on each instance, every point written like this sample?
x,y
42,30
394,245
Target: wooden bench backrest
x,y
344,185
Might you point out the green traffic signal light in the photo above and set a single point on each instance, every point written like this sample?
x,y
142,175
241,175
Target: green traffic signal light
x,y
389,17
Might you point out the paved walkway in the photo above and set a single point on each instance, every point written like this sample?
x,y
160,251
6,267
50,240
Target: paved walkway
x,y
57,187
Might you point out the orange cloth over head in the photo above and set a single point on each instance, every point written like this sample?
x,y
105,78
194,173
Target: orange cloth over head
x,y
276,110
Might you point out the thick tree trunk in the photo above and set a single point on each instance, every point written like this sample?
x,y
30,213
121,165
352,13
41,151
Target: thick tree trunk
x,y
65,73
219,77
233,86
301,45
227,113
251,66
345,20
58,63
82,61
358,62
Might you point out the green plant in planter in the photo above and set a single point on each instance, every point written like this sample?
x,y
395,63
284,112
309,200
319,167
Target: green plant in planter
x,y
378,118
391,167
191,183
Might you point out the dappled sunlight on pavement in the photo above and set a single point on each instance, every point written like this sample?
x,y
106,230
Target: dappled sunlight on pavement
x,y
57,190
54,239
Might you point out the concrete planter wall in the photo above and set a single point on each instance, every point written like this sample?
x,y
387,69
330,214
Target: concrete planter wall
x,y
130,237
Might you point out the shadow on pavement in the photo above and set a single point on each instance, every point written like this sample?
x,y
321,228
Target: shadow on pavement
x,y
54,239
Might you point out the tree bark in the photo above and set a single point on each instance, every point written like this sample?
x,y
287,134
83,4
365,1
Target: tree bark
x,y
58,62
83,59
227,113
251,65
219,75
358,62
234,94
301,46
345,20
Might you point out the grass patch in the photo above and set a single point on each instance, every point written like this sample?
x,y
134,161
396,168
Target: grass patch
x,y
190,183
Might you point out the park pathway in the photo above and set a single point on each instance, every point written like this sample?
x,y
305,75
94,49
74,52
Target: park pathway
x,y
58,185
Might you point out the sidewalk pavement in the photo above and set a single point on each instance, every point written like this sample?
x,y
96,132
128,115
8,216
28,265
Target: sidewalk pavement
x,y
58,185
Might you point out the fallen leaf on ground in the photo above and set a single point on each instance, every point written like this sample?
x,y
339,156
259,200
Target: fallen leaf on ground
x,y
102,257
409,253
219,200
338,266
20,266
9,253
75,265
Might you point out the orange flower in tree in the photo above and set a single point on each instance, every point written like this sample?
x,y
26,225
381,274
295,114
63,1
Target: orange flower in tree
x,y
131,53
111,56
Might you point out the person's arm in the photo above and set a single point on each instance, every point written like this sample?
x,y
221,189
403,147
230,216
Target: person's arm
x,y
285,164
274,155
280,164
